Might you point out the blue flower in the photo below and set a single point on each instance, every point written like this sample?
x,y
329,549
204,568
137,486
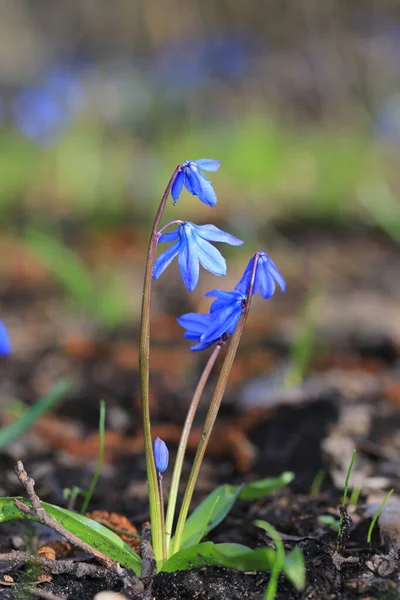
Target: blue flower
x,y
41,111
5,343
194,181
193,247
266,277
161,455
205,329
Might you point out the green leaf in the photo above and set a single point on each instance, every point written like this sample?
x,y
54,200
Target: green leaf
x,y
259,489
30,416
279,558
209,514
234,556
87,530
217,505
237,556
294,568
64,264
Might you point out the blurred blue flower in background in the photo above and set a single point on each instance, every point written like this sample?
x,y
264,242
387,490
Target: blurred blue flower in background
x,y
5,343
187,65
387,122
193,247
266,277
41,111
206,329
194,181
161,455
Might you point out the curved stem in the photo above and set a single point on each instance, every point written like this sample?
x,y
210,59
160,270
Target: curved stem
x,y
212,413
144,360
183,443
164,227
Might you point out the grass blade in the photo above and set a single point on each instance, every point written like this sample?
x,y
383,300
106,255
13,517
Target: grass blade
x,y
96,474
33,414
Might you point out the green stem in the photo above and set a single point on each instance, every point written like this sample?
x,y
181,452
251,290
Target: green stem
x,y
144,367
173,494
160,489
212,414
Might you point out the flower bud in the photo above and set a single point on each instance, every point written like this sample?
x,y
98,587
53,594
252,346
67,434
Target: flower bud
x,y
161,455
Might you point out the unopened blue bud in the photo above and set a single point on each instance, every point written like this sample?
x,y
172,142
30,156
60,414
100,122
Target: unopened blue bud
x,y
161,455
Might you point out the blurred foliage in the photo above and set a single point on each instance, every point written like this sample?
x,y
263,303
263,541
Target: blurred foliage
x,y
100,295
284,170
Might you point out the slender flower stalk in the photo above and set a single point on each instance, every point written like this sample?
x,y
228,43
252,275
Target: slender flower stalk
x,y
173,493
164,544
144,366
213,411
164,227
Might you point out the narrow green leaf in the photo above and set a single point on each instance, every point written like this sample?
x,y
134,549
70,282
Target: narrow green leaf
x,y
376,515
279,558
64,264
96,475
209,513
87,530
220,502
259,489
295,569
234,556
33,414
292,564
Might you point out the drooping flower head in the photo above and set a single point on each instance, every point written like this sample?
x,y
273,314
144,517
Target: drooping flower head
x,y
5,343
225,311
195,181
206,329
161,455
193,247
266,277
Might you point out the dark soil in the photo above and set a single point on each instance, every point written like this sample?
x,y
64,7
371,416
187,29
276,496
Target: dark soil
x,y
349,400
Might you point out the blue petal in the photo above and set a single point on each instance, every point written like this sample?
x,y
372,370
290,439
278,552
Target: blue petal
x,y
223,321
199,185
165,259
177,186
188,264
5,343
202,346
210,258
208,164
194,322
264,284
214,234
276,274
207,193
225,299
243,285
171,236
192,176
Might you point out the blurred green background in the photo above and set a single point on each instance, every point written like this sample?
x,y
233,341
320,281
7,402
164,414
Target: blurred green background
x,y
99,101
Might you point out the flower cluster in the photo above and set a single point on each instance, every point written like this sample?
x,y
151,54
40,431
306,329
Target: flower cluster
x,y
191,243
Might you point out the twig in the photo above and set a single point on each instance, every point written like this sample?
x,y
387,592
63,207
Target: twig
x,y
39,513
130,580
56,567
146,551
